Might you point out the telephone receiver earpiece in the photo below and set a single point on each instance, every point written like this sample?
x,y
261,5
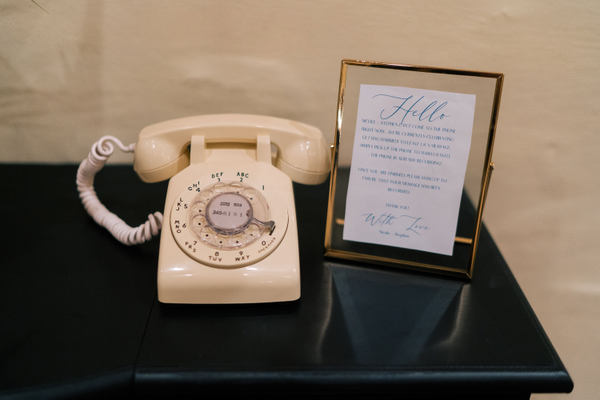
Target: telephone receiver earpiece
x,y
163,149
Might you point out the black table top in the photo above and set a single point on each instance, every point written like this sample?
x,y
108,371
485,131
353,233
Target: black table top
x,y
79,315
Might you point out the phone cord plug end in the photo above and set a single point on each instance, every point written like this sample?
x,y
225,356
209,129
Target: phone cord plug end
x,y
101,151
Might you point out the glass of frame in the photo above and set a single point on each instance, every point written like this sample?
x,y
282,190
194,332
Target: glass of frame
x,y
411,165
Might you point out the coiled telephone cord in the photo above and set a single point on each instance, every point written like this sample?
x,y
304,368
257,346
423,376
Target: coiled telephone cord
x,y
101,151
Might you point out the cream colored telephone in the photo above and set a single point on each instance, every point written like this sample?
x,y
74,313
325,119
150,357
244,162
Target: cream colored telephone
x,y
229,229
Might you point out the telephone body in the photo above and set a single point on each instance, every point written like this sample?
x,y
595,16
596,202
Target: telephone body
x,y
229,229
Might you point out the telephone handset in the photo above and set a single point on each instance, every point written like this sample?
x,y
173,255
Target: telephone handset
x,y
229,228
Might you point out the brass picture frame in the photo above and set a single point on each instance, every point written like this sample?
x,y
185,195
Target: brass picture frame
x,y
487,88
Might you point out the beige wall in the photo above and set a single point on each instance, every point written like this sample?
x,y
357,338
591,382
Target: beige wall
x,y
72,71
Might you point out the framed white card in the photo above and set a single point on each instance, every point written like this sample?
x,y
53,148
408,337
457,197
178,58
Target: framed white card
x,y
412,165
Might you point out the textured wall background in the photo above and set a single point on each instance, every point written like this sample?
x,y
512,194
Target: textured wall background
x,y
72,71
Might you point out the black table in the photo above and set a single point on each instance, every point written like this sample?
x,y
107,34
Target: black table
x,y
79,315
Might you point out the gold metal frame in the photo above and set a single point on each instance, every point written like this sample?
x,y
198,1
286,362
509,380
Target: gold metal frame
x,y
417,260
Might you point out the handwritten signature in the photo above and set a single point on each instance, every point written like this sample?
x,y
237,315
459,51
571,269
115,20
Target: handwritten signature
x,y
430,112
406,222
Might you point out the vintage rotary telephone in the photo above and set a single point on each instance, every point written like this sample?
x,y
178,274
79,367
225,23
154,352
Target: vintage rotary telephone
x,y
229,229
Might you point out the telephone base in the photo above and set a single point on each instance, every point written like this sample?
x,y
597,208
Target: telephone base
x,y
265,269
